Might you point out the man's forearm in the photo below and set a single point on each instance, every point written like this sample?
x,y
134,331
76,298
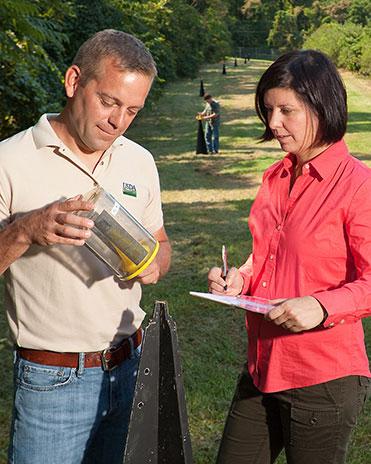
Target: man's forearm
x,y
13,244
164,257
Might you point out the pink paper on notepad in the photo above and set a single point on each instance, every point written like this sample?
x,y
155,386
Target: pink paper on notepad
x,y
249,303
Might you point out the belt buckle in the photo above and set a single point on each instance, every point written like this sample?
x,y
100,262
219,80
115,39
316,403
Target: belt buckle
x,y
105,361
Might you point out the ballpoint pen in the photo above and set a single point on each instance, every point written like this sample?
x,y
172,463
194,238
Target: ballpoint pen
x,y
225,264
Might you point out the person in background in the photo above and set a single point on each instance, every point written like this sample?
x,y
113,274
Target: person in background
x,y
211,114
307,374
76,328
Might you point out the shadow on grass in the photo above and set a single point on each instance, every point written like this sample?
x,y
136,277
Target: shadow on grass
x,y
362,156
208,172
186,140
359,122
243,129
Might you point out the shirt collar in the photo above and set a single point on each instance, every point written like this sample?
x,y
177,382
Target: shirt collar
x,y
325,163
44,135
329,160
288,161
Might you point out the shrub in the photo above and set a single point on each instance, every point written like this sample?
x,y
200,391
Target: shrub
x,y
365,58
348,45
326,39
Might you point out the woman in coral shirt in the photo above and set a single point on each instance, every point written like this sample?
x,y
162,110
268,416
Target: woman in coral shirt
x,y
307,374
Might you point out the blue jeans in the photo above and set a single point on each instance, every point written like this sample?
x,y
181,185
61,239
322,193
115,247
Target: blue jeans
x,y
71,416
212,138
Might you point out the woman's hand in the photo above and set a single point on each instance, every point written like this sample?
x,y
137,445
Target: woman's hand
x,y
231,285
296,314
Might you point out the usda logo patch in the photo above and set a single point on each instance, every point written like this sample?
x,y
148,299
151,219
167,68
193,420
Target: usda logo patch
x,y
129,189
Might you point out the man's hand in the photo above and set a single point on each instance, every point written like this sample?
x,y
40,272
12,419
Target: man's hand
x,y
296,314
161,264
57,223
231,285
51,224
151,274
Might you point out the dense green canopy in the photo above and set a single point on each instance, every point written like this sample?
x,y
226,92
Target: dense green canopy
x,y
38,39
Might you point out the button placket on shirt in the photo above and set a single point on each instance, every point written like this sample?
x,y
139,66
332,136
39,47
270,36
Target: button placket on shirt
x,y
102,164
297,189
271,263
300,185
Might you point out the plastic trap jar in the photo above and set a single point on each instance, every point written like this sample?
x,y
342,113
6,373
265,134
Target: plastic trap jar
x,y
117,237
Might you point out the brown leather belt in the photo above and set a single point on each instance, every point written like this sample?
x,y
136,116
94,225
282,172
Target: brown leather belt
x,y
107,359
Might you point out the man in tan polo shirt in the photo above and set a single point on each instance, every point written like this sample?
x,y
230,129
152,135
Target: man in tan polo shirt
x,y
64,306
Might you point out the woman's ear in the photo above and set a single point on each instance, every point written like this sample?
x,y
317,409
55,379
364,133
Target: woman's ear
x,y
71,80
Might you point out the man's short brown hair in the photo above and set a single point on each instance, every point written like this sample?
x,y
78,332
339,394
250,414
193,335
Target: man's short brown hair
x,y
128,52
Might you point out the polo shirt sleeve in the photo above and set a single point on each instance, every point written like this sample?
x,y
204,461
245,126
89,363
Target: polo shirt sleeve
x,y
5,195
352,301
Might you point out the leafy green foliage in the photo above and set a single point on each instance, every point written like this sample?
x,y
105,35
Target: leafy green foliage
x,y
326,38
365,59
28,75
187,50
258,16
338,27
359,12
38,39
284,34
218,37
348,45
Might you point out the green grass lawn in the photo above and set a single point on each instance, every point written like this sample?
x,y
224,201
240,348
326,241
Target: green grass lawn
x,y
206,203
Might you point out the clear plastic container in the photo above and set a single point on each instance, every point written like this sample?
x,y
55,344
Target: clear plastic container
x,y
117,237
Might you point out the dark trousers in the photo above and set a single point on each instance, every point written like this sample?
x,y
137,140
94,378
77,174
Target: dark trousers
x,y
313,423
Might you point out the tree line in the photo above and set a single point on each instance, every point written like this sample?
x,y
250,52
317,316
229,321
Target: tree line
x,y
38,39
340,28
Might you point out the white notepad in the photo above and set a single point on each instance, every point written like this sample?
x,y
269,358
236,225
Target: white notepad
x,y
249,303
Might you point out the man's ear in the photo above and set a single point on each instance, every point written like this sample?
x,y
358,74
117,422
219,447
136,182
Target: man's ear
x,y
71,80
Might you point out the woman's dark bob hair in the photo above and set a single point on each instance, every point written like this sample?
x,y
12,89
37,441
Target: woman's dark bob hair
x,y
317,82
